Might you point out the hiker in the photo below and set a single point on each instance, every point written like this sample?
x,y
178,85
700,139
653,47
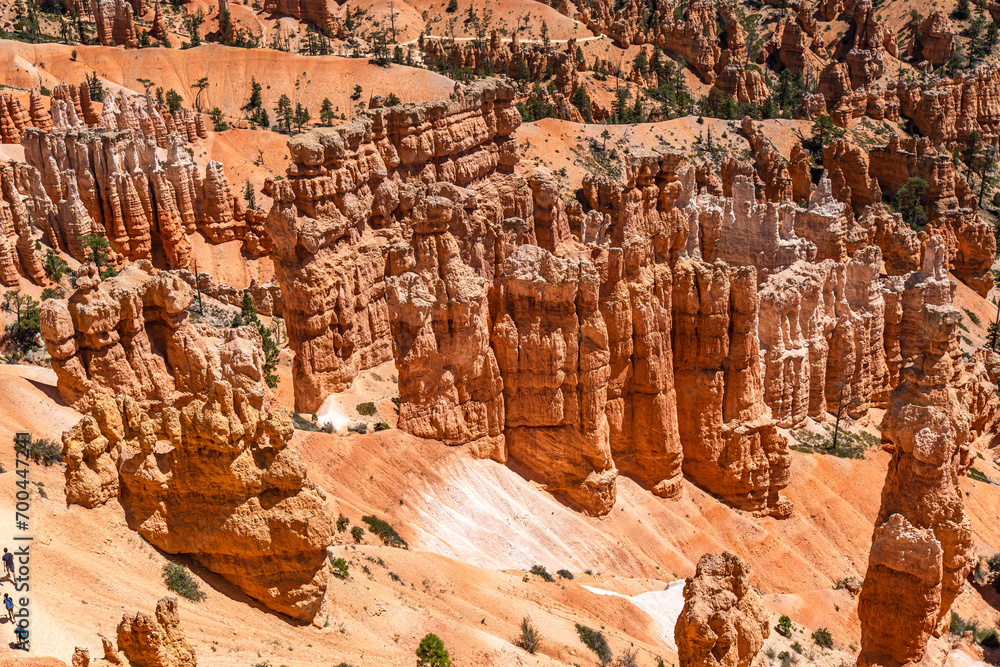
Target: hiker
x,y
20,637
8,602
8,563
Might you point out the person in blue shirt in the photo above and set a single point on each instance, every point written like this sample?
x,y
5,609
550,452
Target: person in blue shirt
x,y
8,603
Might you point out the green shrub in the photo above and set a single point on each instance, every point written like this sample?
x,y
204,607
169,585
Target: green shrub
x,y
823,638
342,523
179,580
993,564
972,316
787,659
366,409
849,445
530,637
565,574
541,572
797,647
40,450
596,642
53,293
303,424
385,531
785,626
985,636
381,426
339,567
979,475
358,533
360,429
432,653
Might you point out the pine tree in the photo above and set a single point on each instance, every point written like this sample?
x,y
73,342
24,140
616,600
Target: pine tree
x,y
283,114
432,653
326,115
581,100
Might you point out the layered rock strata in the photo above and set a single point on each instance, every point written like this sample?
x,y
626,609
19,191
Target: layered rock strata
x,y
312,11
527,329
115,21
18,256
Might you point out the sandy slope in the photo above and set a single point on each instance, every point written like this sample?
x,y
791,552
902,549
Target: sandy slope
x,y
305,79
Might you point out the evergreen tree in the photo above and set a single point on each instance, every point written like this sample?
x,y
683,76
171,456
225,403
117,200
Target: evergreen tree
x,y
283,114
641,63
326,115
581,100
218,122
99,248
23,331
823,132
910,205
961,10
249,196
248,317
432,653
302,116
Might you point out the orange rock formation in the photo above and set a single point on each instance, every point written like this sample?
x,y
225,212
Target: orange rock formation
x,y
723,621
922,546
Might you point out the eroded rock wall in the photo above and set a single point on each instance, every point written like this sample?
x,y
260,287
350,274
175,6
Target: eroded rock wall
x,y
130,336
922,547
115,185
210,476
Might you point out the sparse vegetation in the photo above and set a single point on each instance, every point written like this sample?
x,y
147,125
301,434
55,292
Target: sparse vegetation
x,y
339,566
565,574
40,450
848,446
360,429
530,637
248,317
987,637
357,534
785,626
342,523
823,638
539,570
385,531
366,409
979,475
179,580
21,334
303,424
596,642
